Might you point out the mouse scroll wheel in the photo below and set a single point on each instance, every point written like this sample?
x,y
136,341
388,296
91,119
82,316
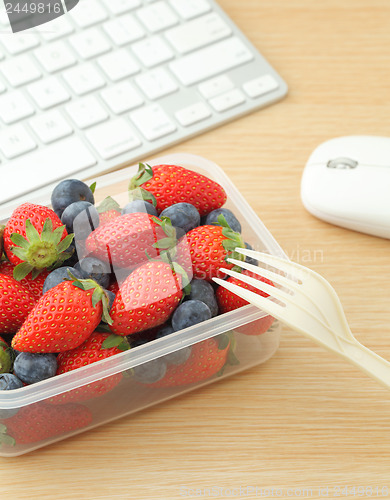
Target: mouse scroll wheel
x,y
342,163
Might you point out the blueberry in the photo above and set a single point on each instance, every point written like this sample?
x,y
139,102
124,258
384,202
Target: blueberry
x,y
204,291
80,218
231,219
150,372
190,313
69,191
178,357
95,269
250,260
111,298
8,382
182,215
32,367
58,275
136,206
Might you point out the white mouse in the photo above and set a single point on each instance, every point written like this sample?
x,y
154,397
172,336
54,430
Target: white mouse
x,y
346,182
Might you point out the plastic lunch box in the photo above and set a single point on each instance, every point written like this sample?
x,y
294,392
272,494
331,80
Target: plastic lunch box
x,y
129,395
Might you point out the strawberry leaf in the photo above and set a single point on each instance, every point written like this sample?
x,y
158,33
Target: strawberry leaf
x,y
19,252
116,341
64,244
18,240
31,232
22,270
108,204
92,187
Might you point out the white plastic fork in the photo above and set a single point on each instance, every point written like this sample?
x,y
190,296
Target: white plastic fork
x,y
308,304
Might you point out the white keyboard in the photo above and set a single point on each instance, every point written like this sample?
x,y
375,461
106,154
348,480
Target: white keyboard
x,y
114,81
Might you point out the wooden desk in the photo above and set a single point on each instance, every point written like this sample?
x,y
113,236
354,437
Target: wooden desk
x,y
305,419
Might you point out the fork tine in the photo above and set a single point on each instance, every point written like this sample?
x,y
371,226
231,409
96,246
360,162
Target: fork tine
x,y
259,285
266,305
272,260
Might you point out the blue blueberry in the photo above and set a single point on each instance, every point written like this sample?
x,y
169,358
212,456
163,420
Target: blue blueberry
x,y
183,215
178,357
204,291
8,382
150,372
231,219
32,367
58,276
190,313
137,206
80,218
69,191
95,269
250,260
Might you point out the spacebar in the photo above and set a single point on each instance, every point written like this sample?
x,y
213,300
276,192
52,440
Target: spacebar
x,y
37,169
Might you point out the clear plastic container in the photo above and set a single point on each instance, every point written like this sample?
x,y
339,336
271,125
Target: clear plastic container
x,y
249,328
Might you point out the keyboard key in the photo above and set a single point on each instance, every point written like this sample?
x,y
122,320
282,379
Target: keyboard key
x,y
215,86
86,112
14,106
228,100
15,141
87,13
118,65
157,16
156,83
153,122
84,78
193,114
48,92
57,28
189,9
198,33
121,97
210,61
121,6
260,86
113,138
17,43
20,70
152,51
55,56
56,161
89,43
124,30
50,126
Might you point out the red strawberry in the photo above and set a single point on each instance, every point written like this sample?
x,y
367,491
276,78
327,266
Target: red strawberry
x,y
34,239
63,318
15,304
209,248
146,298
33,285
124,241
113,287
169,184
108,216
206,359
98,346
39,421
228,301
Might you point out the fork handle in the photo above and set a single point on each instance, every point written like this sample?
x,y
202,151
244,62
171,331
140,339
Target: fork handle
x,y
365,359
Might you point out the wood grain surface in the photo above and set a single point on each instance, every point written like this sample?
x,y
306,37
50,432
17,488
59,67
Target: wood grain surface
x,y
304,420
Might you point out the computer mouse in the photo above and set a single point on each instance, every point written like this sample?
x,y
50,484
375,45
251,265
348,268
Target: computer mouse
x,y
346,182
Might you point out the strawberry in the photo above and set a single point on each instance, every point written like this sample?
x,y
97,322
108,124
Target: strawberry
x,y
2,227
109,210
146,298
209,248
206,359
124,241
15,304
39,421
33,285
109,216
63,318
35,239
166,185
98,346
228,301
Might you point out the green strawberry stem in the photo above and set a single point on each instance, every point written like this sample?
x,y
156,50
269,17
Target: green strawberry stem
x,y
144,174
116,341
4,437
224,340
233,240
40,251
98,295
108,204
6,358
